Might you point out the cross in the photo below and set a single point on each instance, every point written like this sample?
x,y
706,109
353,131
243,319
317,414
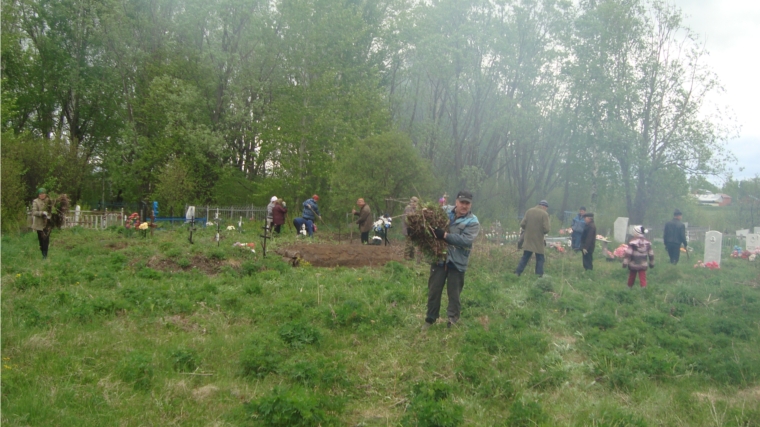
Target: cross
x,y
192,228
265,236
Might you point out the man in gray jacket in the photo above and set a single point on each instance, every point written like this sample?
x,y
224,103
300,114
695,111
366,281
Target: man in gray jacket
x,y
462,230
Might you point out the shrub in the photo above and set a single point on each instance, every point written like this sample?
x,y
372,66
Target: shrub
x,y
295,407
184,262
526,414
137,368
253,288
184,360
430,406
601,320
217,254
149,273
260,358
316,370
350,313
298,334
26,281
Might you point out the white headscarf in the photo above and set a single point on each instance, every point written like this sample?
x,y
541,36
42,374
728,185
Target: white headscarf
x,y
273,199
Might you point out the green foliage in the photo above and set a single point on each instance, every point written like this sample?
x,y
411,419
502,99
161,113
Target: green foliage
x,y
299,333
260,358
430,405
526,414
184,360
137,368
294,407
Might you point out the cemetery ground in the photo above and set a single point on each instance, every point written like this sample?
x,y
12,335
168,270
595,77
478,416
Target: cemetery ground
x,y
128,331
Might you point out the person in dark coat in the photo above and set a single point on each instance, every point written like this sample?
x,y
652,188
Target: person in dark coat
x,y
577,228
278,215
588,241
674,236
365,219
535,225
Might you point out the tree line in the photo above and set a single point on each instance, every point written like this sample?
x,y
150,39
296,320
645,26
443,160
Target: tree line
x,y
597,102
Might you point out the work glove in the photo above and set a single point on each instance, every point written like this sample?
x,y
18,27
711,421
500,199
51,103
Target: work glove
x,y
584,251
651,265
45,214
439,233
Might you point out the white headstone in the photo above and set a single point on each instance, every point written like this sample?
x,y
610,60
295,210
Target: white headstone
x,y
190,213
77,211
713,246
753,242
620,229
742,233
757,230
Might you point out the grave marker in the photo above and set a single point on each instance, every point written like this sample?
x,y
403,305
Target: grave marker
x,y
620,229
753,242
713,246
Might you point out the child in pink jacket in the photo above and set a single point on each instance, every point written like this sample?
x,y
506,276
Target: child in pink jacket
x,y
638,257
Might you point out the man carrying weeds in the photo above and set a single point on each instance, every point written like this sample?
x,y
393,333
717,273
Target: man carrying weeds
x,y
462,230
39,220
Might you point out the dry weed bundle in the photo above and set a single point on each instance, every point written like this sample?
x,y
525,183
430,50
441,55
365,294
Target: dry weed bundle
x,y
421,224
57,208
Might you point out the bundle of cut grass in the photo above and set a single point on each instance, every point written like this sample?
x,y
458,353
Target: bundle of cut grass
x,y
57,208
421,224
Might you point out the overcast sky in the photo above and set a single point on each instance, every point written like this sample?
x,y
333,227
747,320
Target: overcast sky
x,y
731,31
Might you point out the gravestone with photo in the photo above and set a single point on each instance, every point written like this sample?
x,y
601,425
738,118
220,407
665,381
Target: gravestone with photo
x,y
713,246
742,233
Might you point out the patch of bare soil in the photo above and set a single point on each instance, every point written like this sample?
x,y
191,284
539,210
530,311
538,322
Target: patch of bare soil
x,y
206,265
345,255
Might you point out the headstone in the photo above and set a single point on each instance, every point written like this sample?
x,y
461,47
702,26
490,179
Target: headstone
x,y
620,229
713,246
753,242
742,233
757,230
190,215
77,212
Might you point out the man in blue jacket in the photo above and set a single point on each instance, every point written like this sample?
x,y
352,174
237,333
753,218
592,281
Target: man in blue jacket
x,y
311,209
462,230
578,225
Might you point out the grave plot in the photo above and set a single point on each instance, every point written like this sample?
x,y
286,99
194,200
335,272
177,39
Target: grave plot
x,y
327,255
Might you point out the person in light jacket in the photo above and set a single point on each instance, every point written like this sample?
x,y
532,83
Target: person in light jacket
x,y
270,208
462,230
365,219
40,217
535,225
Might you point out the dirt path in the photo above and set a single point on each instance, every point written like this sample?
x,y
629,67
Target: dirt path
x,y
356,255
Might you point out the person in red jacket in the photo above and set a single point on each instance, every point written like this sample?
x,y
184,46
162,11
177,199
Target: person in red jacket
x,y
278,215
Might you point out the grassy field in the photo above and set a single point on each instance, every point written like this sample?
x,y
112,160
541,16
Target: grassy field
x,y
130,331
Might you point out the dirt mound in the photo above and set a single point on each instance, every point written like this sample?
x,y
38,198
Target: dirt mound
x,y
346,255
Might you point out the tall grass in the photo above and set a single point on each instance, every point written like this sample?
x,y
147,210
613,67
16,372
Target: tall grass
x,y
112,330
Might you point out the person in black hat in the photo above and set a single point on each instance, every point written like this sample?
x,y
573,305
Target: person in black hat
x,y
462,230
588,241
674,236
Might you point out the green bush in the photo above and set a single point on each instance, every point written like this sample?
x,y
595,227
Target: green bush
x,y
24,281
526,414
350,313
295,407
184,360
430,406
260,358
299,333
137,368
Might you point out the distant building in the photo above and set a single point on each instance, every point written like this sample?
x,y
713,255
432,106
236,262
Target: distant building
x,y
713,199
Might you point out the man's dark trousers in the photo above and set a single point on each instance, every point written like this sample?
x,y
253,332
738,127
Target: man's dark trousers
x,y
454,280
674,252
588,261
524,261
365,237
43,237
